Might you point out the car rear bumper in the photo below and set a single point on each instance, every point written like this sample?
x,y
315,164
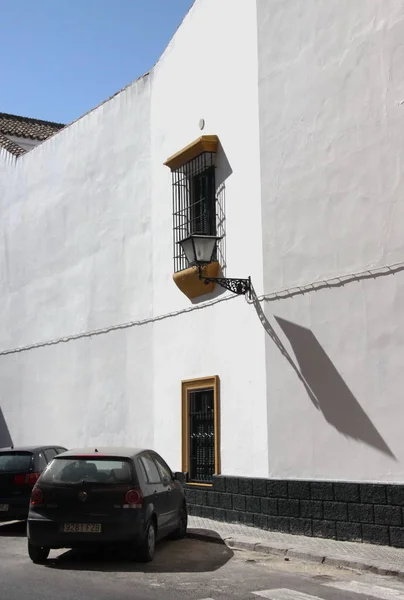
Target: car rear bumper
x,y
17,509
47,532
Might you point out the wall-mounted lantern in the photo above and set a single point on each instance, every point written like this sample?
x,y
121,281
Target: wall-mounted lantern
x,y
200,251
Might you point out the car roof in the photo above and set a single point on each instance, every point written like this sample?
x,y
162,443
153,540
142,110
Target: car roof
x,y
123,451
27,448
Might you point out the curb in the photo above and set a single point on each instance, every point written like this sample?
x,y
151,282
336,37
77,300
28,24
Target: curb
x,y
213,537
289,553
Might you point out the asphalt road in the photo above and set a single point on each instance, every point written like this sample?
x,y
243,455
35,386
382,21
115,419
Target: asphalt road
x,y
182,570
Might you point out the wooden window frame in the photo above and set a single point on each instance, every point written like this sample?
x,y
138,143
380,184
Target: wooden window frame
x,y
205,143
187,386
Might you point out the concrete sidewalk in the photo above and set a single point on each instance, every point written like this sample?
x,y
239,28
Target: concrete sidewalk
x,y
382,560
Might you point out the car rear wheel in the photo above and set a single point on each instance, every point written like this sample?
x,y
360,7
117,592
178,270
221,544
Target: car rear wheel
x,y
38,554
181,531
146,550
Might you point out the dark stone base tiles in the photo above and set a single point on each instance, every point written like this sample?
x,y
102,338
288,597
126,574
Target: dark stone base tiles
x,y
357,512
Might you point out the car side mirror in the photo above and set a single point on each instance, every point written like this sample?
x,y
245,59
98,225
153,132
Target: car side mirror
x,y
166,479
179,476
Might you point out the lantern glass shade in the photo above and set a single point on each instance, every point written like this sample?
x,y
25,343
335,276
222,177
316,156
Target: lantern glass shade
x,y
199,249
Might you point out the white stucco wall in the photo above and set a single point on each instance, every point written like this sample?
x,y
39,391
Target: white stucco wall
x,y
7,164
6,160
331,95
76,216
87,223
196,79
76,231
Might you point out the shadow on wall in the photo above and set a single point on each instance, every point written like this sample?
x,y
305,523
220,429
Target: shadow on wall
x,y
223,172
322,382
5,437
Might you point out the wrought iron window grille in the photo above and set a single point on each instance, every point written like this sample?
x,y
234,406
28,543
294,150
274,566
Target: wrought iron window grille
x,y
197,212
194,203
201,436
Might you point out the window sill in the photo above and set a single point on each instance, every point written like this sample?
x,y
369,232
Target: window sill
x,y
199,484
189,283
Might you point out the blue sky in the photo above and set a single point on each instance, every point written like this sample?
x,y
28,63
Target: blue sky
x,y
60,58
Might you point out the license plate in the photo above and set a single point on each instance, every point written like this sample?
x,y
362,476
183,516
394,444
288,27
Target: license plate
x,y
81,528
3,507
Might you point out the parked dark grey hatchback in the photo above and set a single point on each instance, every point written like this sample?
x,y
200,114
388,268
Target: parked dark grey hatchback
x,y
20,469
106,496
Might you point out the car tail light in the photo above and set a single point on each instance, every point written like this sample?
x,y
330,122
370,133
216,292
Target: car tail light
x,y
32,478
36,497
133,498
26,479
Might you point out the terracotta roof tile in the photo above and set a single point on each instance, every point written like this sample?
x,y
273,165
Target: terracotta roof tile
x,y
34,129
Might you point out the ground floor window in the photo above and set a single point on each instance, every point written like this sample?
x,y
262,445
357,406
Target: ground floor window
x,y
200,429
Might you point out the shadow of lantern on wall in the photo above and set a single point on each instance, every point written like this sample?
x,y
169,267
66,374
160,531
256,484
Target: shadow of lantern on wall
x,y
196,266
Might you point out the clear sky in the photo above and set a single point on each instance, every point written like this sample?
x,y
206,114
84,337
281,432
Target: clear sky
x,y
60,58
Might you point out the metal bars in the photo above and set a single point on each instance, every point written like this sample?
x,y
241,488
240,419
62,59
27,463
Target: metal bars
x,y
194,203
201,436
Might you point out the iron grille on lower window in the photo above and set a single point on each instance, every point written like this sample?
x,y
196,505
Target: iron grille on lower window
x,y
201,436
194,202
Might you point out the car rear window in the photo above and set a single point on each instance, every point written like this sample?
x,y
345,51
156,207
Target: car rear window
x,y
89,470
15,462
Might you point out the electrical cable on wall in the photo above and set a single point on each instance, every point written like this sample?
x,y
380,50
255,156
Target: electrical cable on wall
x,y
283,294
